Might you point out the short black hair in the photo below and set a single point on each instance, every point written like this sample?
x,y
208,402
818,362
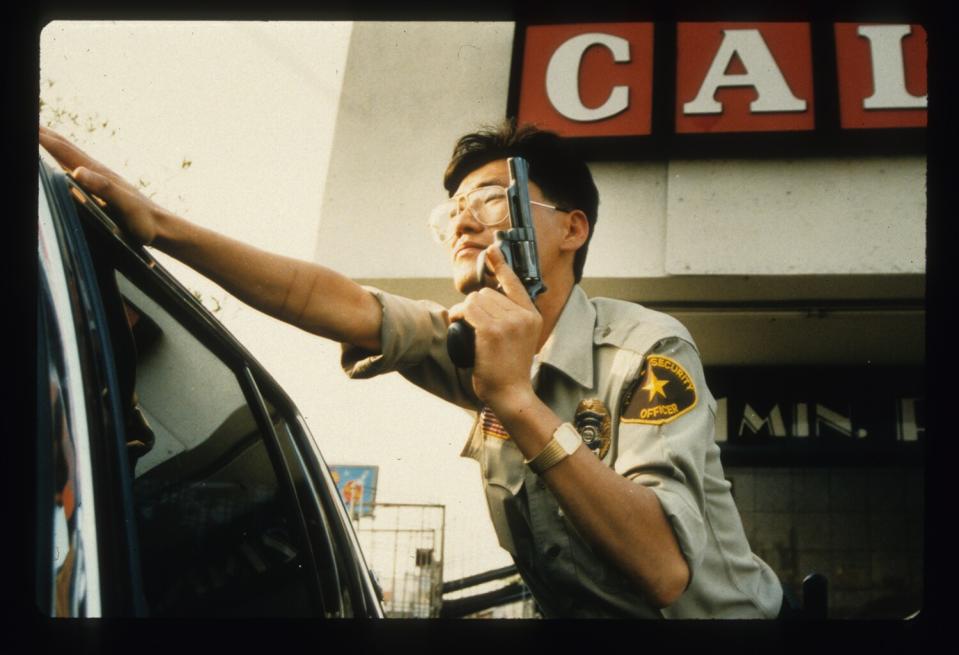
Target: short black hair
x,y
554,166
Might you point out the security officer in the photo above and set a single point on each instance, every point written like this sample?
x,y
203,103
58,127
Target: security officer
x,y
594,428
638,521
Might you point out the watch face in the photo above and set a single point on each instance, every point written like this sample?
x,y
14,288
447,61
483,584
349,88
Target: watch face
x,y
568,437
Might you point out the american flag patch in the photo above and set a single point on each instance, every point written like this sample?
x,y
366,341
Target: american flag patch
x,y
491,425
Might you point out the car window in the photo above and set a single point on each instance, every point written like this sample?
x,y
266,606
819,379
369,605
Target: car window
x,y
336,576
66,542
64,597
219,532
232,513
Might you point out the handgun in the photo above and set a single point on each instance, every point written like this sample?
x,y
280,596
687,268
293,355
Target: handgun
x,y
518,245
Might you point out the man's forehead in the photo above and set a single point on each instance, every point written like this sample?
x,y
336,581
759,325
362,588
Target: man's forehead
x,y
494,173
489,174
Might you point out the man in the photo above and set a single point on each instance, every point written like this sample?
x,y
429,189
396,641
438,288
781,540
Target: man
x,y
636,522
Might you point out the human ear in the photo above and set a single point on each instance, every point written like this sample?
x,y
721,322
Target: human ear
x,y
577,230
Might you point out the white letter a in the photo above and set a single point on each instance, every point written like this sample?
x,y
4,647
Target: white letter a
x,y
762,73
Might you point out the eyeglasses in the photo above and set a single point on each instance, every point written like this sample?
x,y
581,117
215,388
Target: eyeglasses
x,y
487,204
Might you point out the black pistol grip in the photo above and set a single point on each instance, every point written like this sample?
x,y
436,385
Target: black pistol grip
x,y
461,343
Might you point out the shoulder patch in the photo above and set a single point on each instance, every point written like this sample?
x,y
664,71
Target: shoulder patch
x,y
663,393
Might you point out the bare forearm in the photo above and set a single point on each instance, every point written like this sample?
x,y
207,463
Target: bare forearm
x,y
626,525
629,527
309,296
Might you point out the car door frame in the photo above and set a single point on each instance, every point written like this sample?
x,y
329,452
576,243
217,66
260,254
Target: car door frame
x,y
320,500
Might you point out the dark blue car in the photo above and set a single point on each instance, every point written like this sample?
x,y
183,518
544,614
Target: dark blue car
x,y
175,477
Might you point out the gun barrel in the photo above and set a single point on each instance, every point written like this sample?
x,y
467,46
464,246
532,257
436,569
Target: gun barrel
x,y
518,192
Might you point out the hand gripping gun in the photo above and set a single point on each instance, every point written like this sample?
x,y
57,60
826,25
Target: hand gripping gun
x,y
518,245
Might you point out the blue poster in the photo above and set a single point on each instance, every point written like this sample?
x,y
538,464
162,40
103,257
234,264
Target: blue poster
x,y
357,487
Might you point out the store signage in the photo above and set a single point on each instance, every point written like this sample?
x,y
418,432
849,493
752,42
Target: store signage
x,y
744,78
882,75
750,419
588,80
597,79
864,408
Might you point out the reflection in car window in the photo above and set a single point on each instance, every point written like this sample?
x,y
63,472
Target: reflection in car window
x,y
67,570
218,533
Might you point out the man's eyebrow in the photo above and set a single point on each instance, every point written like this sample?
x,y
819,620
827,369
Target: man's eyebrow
x,y
481,185
489,183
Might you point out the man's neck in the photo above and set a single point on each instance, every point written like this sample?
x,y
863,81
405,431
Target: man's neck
x,y
551,304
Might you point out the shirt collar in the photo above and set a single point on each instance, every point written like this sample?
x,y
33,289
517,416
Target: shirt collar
x,y
569,348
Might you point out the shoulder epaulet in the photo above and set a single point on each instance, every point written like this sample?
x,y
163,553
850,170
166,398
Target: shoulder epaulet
x,y
634,327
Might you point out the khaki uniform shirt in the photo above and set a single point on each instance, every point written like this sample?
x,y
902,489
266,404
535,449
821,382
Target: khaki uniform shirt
x,y
610,350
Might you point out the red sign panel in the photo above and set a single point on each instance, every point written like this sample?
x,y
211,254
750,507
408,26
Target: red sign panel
x,y
588,79
597,79
882,75
744,77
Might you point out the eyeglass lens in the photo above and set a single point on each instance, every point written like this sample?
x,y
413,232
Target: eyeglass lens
x,y
486,204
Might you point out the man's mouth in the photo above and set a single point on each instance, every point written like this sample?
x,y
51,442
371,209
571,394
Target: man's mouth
x,y
468,249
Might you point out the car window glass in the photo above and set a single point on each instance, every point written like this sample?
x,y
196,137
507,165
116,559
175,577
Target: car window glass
x,y
67,536
218,533
334,576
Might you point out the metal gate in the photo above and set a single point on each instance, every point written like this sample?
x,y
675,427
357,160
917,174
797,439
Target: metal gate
x,y
403,546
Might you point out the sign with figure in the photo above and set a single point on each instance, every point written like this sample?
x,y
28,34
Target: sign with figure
x,y
357,487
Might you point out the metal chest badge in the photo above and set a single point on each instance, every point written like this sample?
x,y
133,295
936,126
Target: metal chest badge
x,y
592,421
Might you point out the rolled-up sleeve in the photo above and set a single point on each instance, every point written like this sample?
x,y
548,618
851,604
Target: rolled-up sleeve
x,y
669,458
413,342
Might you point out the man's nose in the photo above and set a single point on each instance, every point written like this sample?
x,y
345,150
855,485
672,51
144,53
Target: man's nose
x,y
464,220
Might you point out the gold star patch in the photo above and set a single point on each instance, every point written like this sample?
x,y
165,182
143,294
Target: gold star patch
x,y
669,393
654,385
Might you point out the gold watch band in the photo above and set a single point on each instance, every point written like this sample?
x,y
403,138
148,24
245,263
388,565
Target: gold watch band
x,y
564,443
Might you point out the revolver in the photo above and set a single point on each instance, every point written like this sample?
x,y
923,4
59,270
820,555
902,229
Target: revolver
x,y
518,245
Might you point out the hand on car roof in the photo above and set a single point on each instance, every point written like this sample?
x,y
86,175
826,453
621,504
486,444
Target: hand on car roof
x,y
137,214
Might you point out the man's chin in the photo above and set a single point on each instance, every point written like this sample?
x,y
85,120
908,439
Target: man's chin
x,y
464,275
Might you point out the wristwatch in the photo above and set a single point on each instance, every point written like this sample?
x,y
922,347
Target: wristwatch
x,y
564,443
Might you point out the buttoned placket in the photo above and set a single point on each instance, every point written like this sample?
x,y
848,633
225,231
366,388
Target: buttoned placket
x,y
534,380
548,534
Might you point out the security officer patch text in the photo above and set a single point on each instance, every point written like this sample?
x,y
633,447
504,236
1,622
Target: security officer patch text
x,y
663,392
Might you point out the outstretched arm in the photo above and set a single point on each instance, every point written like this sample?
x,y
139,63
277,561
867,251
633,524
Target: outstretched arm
x,y
309,296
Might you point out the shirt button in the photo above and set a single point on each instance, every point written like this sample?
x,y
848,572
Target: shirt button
x,y
552,552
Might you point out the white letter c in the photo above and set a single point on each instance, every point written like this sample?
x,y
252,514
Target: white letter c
x,y
562,78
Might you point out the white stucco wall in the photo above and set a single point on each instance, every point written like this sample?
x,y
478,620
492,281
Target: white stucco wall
x,y
409,91
794,217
